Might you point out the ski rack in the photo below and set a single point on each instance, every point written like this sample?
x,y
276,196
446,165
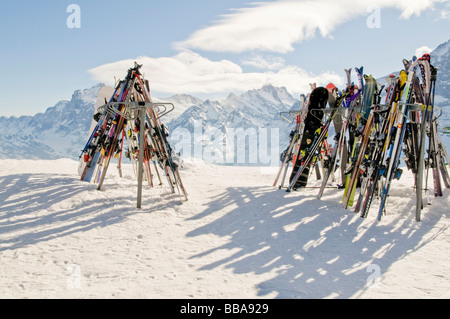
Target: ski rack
x,y
354,108
165,112
284,118
131,114
415,107
110,108
326,111
292,114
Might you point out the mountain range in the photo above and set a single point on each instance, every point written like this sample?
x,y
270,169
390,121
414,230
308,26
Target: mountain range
x,y
61,132
441,59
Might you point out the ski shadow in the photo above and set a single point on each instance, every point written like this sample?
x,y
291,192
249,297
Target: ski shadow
x,y
41,207
309,249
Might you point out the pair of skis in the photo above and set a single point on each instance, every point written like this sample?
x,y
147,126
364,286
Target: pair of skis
x,y
290,154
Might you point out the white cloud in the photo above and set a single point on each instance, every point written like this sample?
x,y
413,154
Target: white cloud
x,y
422,50
268,63
265,26
190,73
276,26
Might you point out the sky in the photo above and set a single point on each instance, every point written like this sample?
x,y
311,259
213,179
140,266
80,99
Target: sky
x,y
205,48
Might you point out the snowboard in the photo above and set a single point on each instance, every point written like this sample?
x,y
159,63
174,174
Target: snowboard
x,y
312,125
104,95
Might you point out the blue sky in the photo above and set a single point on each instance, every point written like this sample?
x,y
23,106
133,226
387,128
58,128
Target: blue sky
x,y
205,48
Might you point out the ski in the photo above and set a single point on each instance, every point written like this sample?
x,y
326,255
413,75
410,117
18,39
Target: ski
x,y
295,137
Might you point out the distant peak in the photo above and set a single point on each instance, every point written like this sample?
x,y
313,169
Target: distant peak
x,y
272,88
441,52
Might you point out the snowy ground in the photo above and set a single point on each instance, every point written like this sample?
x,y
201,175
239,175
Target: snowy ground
x,y
237,237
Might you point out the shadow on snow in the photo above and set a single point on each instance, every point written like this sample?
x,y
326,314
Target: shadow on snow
x,y
311,248
41,207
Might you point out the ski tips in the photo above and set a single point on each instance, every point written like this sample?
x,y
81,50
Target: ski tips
x,y
331,87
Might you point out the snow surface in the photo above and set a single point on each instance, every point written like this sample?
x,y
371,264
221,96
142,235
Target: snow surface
x,y
236,237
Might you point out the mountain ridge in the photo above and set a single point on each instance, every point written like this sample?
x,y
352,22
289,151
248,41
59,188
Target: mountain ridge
x,y
61,131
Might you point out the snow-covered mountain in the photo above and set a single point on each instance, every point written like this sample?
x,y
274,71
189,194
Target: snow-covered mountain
x,y
440,58
181,102
59,132
62,130
245,129
258,110
228,130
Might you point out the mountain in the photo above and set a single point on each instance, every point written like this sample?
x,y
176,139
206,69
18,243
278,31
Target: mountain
x,y
440,58
59,132
245,129
181,103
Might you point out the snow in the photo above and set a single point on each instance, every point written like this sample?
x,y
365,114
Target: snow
x,y
440,54
237,237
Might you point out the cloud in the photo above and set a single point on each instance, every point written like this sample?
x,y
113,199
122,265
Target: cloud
x,y
190,73
264,27
276,26
269,63
422,50
444,11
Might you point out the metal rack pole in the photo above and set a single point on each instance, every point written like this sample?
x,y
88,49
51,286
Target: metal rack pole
x,y
142,109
